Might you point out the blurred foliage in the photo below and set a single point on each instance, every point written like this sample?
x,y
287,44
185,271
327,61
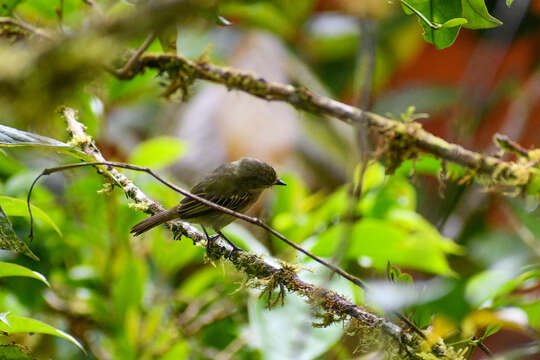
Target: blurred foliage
x,y
154,298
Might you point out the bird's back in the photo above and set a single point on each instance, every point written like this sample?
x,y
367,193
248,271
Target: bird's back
x,y
218,191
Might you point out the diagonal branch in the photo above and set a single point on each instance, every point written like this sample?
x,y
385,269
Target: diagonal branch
x,y
252,265
410,137
26,26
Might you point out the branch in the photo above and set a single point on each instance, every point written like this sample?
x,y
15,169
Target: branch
x,y
252,265
126,70
26,27
409,137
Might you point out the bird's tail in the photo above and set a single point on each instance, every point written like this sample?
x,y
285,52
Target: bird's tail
x,y
153,221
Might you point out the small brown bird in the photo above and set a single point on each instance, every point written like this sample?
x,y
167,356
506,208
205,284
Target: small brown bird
x,y
235,185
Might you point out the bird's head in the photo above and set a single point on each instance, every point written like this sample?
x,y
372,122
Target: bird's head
x,y
256,174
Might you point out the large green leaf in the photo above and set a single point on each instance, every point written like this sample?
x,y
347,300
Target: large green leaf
x,y
11,137
10,241
18,207
157,152
14,137
477,15
404,238
9,269
442,19
13,324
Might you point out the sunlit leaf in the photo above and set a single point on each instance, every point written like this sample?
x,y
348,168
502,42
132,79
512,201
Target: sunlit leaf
x,y
18,207
488,284
454,22
180,350
11,137
9,269
477,15
158,152
401,242
437,12
10,241
13,324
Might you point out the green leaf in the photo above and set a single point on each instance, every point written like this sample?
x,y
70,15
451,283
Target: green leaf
x,y
14,137
158,152
404,239
13,324
454,22
501,278
128,288
509,2
477,15
533,312
373,176
11,137
18,207
437,12
9,269
180,350
10,241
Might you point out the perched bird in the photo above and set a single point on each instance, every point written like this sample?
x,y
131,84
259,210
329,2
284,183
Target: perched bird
x,y
235,185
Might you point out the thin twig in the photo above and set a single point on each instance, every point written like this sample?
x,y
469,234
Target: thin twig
x,y
25,26
250,219
253,220
127,70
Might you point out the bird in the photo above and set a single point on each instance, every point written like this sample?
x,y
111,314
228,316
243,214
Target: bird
x,y
235,185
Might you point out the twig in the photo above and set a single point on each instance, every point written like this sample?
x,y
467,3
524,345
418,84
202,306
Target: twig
x,y
247,218
126,70
25,26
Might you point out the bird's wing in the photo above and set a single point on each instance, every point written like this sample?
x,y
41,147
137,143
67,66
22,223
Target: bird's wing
x,y
191,208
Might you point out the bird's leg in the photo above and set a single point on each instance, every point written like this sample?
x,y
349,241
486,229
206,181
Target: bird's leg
x,y
209,239
234,247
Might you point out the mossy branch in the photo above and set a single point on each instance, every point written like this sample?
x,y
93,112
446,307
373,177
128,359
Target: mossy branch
x,y
489,170
334,305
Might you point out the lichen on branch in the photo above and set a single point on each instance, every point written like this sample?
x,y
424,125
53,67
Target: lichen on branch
x,y
520,176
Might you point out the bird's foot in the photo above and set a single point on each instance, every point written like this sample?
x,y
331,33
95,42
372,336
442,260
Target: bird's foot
x,y
210,240
234,247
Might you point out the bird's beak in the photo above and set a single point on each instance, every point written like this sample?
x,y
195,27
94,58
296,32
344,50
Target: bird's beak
x,y
280,182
